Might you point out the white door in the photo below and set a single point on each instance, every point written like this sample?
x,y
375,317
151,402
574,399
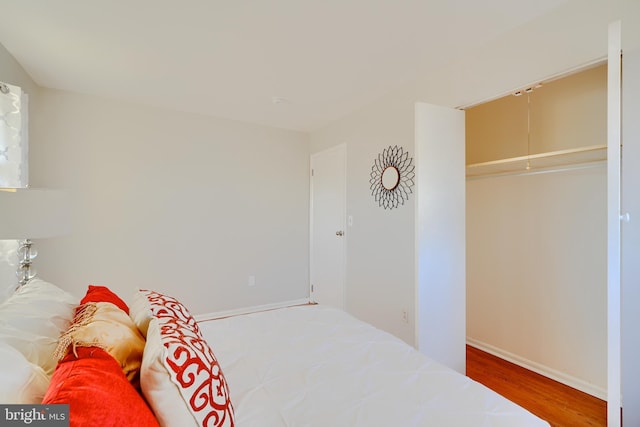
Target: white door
x,y
614,398
440,234
328,200
630,233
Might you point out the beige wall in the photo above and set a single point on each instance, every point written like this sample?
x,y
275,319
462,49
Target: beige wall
x,y
566,113
570,112
537,272
496,130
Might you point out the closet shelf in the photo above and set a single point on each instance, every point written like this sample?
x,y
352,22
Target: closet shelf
x,y
537,162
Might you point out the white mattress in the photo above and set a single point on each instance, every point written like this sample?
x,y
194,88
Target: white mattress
x,y
318,366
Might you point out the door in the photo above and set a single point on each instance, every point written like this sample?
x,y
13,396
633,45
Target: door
x,y
440,234
613,225
328,207
630,227
630,235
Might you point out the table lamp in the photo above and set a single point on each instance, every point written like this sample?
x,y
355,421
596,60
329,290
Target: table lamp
x,y
32,213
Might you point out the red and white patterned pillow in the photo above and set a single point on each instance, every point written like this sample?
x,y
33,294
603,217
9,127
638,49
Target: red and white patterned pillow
x,y
180,376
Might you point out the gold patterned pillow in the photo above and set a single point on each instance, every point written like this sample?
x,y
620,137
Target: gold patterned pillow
x,y
104,325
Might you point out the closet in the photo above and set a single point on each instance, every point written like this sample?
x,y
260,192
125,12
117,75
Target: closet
x,y
536,217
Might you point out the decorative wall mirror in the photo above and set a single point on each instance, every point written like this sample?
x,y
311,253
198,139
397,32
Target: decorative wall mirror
x,y
391,177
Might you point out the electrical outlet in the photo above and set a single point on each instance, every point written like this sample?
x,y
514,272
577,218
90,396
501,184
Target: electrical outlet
x,y
252,280
405,316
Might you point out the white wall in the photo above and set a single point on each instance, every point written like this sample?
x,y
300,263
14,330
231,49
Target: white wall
x,y
537,272
12,72
182,203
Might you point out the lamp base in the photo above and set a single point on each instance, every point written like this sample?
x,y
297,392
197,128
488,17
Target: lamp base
x,y
26,255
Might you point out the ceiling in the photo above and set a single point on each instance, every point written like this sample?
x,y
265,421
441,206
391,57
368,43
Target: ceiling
x,y
292,64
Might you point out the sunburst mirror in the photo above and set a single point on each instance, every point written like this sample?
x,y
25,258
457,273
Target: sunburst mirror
x,y
391,177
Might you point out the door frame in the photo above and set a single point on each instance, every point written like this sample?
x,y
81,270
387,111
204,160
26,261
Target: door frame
x,y
342,148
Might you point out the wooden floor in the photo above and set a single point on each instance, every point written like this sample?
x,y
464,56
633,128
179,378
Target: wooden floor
x,y
560,405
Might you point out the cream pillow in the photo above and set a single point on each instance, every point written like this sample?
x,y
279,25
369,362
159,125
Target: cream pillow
x,y
22,381
37,349
32,319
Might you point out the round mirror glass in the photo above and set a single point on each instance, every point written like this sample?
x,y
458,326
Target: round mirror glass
x,y
390,178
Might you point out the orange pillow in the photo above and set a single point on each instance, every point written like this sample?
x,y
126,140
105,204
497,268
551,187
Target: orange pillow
x,y
97,392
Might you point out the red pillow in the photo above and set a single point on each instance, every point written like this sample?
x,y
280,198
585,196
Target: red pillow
x,y
97,392
103,294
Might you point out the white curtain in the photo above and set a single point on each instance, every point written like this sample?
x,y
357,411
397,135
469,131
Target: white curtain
x,y
13,169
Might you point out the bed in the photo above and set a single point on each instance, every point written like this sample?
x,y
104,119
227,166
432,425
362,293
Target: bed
x,y
148,362
317,366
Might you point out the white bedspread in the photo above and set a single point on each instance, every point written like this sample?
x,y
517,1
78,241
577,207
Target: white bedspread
x,y
318,366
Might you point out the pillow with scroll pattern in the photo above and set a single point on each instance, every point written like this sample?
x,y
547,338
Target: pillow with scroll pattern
x,y
180,376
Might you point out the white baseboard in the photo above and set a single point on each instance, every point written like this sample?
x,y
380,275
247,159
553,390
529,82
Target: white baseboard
x,y
247,310
554,374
